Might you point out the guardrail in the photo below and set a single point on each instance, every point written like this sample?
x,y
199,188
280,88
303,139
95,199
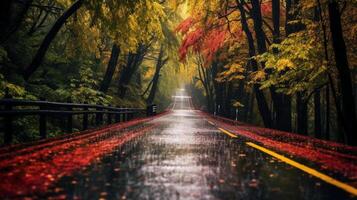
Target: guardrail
x,y
12,108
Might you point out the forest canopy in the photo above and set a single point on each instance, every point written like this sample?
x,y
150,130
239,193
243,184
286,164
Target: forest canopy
x,y
283,64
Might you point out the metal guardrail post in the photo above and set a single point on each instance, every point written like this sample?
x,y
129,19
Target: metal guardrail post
x,y
125,115
8,136
151,110
131,115
128,114
99,117
85,118
43,122
117,117
109,116
69,117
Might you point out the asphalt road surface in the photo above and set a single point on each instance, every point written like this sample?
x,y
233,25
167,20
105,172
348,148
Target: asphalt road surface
x,y
185,157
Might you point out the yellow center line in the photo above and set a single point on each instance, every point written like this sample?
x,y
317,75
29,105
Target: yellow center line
x,y
306,169
223,130
313,172
227,132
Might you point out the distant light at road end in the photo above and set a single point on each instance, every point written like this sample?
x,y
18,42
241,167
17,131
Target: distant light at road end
x,y
181,97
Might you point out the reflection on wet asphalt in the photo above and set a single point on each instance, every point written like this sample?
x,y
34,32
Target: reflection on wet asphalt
x,y
184,157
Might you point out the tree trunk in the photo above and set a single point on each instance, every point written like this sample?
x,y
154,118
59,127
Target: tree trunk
x,y
210,74
292,11
301,109
317,113
133,63
243,98
279,101
327,125
153,90
110,69
40,54
251,107
244,116
206,85
261,101
228,100
258,26
283,102
219,90
276,20
160,63
344,74
283,113
331,82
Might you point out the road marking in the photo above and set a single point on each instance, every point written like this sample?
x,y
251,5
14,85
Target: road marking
x,y
307,169
228,133
223,130
211,123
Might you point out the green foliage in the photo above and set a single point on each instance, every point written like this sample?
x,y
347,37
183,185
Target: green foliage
x,y
128,22
83,89
76,60
15,91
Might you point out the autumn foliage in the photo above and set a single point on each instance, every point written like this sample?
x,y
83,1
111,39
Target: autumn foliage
x,y
207,36
205,40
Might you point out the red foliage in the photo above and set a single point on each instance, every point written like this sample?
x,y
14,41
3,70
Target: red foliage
x,y
205,41
30,170
213,42
266,8
185,25
212,37
192,39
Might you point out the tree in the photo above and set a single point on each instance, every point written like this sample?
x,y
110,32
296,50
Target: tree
x,y
210,35
283,102
133,62
344,74
161,61
317,115
112,64
126,18
41,52
262,103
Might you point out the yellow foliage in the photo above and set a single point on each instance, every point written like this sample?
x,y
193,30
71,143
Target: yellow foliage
x,y
232,72
284,64
308,4
258,75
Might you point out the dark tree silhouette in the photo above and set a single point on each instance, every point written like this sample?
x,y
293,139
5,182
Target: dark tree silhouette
x,y
134,60
161,61
40,54
344,74
104,86
261,100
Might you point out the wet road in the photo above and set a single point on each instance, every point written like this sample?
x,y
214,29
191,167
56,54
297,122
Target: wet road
x,y
185,157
